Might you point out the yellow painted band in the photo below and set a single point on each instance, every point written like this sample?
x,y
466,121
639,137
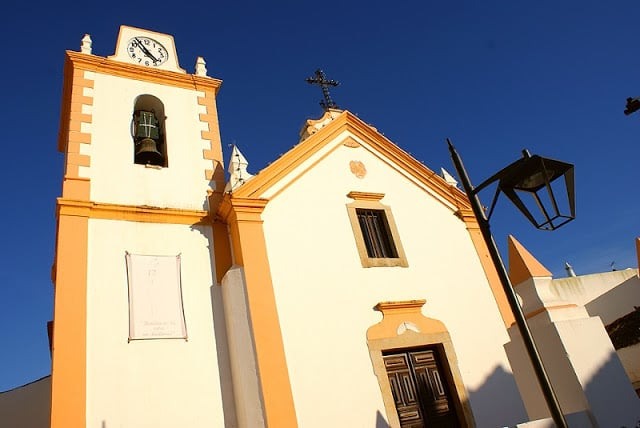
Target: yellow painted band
x,y
130,213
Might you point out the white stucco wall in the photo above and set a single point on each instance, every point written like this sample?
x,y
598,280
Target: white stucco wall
x,y
161,382
114,176
325,297
609,295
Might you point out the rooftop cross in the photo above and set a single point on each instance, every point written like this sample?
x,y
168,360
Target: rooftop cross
x,y
321,79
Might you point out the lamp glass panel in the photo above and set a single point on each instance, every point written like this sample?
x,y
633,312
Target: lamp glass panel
x,y
541,203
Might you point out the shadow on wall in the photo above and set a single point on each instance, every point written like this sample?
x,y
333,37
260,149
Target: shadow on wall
x,y
380,421
497,402
224,363
612,398
220,332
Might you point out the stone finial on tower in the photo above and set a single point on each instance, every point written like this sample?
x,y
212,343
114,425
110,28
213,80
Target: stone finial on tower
x,y
201,69
448,177
238,174
522,265
569,269
85,46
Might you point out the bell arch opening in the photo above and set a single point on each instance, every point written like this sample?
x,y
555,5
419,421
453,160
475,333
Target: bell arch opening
x,y
147,131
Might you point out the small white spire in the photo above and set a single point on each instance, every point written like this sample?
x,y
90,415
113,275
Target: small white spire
x,y
448,177
85,46
569,269
238,173
201,69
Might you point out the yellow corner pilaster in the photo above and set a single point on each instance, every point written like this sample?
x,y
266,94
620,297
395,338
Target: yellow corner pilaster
x,y
487,264
68,371
243,215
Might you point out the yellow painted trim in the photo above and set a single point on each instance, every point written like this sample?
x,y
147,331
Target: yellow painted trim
x,y
395,313
549,308
70,136
131,213
103,65
213,153
346,121
303,172
365,196
243,215
389,335
68,368
522,264
487,265
76,64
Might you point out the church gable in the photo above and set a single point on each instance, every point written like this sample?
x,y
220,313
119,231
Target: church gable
x,y
345,132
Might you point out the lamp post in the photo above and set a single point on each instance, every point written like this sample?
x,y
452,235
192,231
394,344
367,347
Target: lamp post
x,y
528,175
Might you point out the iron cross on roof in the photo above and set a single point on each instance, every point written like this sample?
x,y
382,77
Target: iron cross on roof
x,y
321,79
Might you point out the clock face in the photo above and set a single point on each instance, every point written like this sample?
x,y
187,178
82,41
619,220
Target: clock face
x,y
146,51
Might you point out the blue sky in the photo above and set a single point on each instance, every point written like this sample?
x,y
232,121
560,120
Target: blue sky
x,y
494,76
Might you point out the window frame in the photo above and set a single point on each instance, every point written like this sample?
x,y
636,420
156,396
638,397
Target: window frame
x,y
371,201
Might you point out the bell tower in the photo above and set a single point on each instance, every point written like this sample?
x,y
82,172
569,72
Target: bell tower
x,y
136,303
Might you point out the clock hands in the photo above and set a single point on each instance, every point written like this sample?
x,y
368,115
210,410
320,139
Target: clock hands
x,y
145,50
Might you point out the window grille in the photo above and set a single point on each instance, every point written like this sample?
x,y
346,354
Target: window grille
x,y
376,233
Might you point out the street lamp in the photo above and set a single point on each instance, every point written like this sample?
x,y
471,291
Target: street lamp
x,y
633,105
530,175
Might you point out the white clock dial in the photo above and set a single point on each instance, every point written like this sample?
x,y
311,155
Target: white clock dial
x,y
146,51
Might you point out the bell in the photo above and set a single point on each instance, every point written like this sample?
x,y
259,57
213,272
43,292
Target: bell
x,y
147,153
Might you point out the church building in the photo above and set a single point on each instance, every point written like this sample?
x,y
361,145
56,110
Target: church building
x,y
344,285
318,292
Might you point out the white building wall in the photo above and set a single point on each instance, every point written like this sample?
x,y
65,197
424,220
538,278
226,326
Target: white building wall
x,y
609,295
162,382
115,178
325,297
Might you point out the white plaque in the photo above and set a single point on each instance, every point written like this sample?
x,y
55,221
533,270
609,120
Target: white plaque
x,y
155,297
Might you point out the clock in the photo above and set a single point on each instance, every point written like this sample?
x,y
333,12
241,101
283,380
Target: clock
x,y
147,51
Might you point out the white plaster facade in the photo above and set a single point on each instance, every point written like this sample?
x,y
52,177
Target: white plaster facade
x,y
114,177
609,295
325,297
160,382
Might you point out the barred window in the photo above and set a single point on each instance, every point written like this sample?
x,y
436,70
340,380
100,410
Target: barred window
x,y
376,233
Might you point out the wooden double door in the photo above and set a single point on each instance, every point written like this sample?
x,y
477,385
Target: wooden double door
x,y
422,388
